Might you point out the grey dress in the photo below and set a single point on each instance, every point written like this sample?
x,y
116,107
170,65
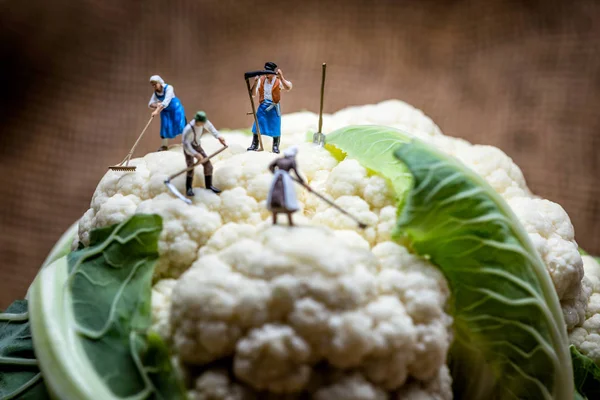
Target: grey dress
x,y
282,195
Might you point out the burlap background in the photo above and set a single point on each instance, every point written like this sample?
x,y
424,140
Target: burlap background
x,y
523,76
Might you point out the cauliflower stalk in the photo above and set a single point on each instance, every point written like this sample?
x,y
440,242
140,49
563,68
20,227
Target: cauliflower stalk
x,y
252,310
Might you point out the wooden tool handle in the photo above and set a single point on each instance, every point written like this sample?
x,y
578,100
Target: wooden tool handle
x,y
322,95
254,113
136,143
202,161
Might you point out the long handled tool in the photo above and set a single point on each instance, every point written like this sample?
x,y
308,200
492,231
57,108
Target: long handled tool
x,y
361,225
319,137
247,77
203,160
126,167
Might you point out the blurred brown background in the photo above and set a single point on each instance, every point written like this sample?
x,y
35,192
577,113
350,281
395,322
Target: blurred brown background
x,y
520,75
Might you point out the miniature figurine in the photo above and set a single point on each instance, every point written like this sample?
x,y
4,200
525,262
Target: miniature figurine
x,y
268,88
282,195
192,150
172,114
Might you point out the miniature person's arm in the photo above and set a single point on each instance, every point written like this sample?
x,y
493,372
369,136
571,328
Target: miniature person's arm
x,y
295,168
272,166
255,86
169,94
287,85
159,108
153,101
211,128
186,140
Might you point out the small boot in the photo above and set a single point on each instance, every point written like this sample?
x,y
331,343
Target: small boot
x,y
254,145
276,144
188,186
164,145
208,184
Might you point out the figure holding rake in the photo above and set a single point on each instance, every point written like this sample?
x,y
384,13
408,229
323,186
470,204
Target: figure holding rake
x,y
172,114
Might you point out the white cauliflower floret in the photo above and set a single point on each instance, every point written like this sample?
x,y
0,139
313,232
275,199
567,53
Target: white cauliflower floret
x,y
439,388
496,168
273,358
348,178
227,235
377,192
285,299
587,337
324,292
216,385
248,171
161,307
387,222
355,206
350,387
185,229
552,234
239,207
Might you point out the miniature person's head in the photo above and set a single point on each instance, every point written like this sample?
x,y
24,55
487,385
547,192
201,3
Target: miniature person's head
x,y
200,117
157,82
271,66
291,151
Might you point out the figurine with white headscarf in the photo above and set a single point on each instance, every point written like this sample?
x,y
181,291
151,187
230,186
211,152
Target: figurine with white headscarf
x,y
172,114
282,195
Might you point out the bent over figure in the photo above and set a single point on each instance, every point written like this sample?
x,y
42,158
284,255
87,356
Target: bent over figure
x,y
172,114
193,150
282,195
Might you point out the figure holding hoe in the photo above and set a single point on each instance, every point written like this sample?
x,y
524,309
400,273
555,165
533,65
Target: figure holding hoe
x,y
282,195
193,150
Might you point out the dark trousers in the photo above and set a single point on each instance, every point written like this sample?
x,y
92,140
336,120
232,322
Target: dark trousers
x,y
189,160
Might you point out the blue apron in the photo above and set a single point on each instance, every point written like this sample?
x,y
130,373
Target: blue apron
x,y
172,118
269,119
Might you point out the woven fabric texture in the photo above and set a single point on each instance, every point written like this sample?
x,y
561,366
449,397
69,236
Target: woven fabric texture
x,y
520,75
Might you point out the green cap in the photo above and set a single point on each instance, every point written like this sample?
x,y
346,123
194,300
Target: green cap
x,y
200,116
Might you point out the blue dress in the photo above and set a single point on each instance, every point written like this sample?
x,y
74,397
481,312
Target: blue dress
x,y
269,119
172,118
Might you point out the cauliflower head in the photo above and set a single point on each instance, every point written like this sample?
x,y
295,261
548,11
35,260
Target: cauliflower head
x,y
260,311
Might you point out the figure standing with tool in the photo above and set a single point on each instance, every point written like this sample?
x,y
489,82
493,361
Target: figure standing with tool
x,y
268,88
172,114
193,150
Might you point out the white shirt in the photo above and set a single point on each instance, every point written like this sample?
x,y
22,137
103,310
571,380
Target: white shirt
x,y
188,138
168,97
269,87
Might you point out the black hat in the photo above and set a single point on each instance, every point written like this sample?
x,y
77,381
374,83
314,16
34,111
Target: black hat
x,y
270,66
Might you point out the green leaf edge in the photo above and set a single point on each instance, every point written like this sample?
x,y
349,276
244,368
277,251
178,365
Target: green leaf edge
x,y
38,378
340,154
50,335
591,377
560,332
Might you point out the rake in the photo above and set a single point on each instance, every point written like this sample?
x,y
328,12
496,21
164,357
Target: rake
x,y
126,167
172,187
